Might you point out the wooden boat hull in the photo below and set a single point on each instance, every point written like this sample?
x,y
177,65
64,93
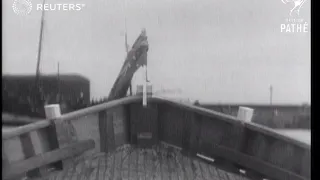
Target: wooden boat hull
x,y
197,131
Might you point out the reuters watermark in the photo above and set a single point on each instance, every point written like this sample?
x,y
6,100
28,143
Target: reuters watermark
x,y
25,7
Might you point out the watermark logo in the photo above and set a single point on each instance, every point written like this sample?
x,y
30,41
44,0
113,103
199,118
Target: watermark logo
x,y
22,7
294,23
297,4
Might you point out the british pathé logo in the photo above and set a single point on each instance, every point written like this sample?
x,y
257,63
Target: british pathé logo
x,y
294,23
297,4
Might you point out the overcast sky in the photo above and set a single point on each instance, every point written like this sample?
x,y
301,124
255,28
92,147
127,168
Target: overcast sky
x,y
213,50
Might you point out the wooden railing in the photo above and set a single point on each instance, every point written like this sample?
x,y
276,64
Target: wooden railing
x,y
104,127
31,148
249,145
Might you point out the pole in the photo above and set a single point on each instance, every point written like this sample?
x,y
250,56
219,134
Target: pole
x,y
40,46
144,86
37,94
59,96
127,49
271,91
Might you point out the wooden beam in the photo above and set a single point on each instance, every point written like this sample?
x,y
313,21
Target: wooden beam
x,y
69,116
47,158
188,117
28,151
49,142
259,166
25,129
110,133
66,135
195,134
103,130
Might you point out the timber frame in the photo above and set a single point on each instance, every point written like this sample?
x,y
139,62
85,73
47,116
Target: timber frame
x,y
196,130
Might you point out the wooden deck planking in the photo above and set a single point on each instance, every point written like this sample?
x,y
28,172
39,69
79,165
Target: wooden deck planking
x,y
145,164
180,166
204,170
196,168
149,165
156,165
140,165
133,165
117,165
125,163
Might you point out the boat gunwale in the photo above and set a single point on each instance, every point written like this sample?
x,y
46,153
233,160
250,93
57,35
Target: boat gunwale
x,y
132,99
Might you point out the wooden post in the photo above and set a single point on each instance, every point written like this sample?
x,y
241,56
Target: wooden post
x,y
144,86
111,146
195,134
245,114
28,151
103,130
64,130
48,137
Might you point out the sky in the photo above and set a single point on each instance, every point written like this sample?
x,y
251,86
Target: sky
x,y
214,51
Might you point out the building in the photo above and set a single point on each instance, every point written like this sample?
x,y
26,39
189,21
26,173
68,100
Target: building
x,y
18,90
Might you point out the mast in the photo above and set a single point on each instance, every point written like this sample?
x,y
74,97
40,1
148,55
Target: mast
x,y
137,57
127,49
271,91
59,97
37,93
40,47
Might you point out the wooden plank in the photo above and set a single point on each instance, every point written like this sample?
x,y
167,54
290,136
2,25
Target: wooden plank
x,y
127,123
133,123
187,126
29,152
102,167
49,141
204,169
148,164
196,169
108,172
195,134
186,163
133,173
180,166
69,116
256,164
243,139
49,157
65,136
197,109
25,129
88,171
275,134
165,173
140,164
103,130
110,133
5,161
172,164
156,164
117,165
125,163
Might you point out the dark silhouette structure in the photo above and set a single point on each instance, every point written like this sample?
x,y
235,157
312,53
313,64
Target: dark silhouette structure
x,y
72,92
